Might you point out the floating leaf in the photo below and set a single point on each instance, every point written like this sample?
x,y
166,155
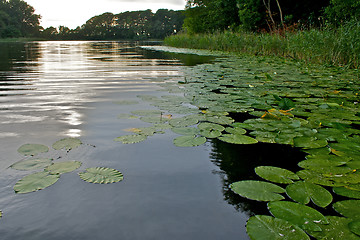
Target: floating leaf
x,y
210,134
147,112
189,141
237,139
67,143
348,208
303,216
129,139
258,190
101,175
186,131
302,192
183,122
309,142
158,119
275,174
262,227
235,130
210,127
63,167
223,120
337,229
32,149
354,227
35,182
32,164
347,192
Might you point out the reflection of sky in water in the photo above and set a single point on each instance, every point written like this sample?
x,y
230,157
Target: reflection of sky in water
x,y
64,77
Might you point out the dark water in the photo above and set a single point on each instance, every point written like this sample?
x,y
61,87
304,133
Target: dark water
x,y
52,90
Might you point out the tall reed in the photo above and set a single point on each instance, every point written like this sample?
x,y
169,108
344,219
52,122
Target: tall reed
x,y
340,46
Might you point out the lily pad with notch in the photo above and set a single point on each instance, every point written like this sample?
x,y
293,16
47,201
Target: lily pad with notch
x,y
35,182
189,141
32,149
101,175
67,144
276,174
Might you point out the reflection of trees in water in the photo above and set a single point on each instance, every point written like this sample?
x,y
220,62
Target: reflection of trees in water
x,y
237,162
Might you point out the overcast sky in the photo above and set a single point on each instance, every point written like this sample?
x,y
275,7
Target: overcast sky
x,y
73,13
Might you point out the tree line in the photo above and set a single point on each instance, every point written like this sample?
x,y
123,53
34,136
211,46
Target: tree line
x,y
266,15
17,19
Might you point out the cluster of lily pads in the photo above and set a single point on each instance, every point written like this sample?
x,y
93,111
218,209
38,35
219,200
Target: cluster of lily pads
x,y
249,100
51,171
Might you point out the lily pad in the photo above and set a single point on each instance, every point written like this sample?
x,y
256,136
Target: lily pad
x,y
337,229
189,141
303,216
235,130
67,144
210,127
147,112
101,175
35,182
261,227
32,149
210,134
348,208
258,190
302,192
347,192
130,139
183,122
309,142
237,139
63,167
354,227
186,131
32,164
275,174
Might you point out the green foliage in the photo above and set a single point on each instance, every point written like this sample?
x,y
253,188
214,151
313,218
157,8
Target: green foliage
x,y
258,190
101,175
32,164
32,149
35,182
340,11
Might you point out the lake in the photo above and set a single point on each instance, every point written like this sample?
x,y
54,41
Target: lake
x,y
54,90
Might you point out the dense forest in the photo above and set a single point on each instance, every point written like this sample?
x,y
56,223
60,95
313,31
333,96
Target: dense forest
x,y
17,19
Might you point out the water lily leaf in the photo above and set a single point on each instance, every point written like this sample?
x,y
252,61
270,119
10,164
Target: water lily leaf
x,y
275,174
302,192
35,182
354,227
347,192
158,119
130,139
309,142
348,208
67,144
32,164
210,134
189,141
101,175
32,149
331,180
210,127
147,112
286,104
186,131
338,228
223,120
235,130
303,216
183,122
258,190
261,227
237,139
63,167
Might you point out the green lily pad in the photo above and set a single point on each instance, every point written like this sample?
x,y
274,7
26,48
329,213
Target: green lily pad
x,y
158,119
303,216
147,112
35,182
354,227
347,192
338,228
130,139
186,131
63,167
223,120
348,208
101,175
309,142
189,141
183,122
303,192
32,164
32,149
210,134
275,174
237,139
235,130
67,144
258,190
261,227
211,127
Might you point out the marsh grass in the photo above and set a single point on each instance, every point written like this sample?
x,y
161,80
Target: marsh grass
x,y
339,47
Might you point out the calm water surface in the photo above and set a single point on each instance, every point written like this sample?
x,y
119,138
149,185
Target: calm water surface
x,y
52,90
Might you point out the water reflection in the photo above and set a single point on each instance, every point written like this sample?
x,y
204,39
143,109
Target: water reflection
x,y
237,162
